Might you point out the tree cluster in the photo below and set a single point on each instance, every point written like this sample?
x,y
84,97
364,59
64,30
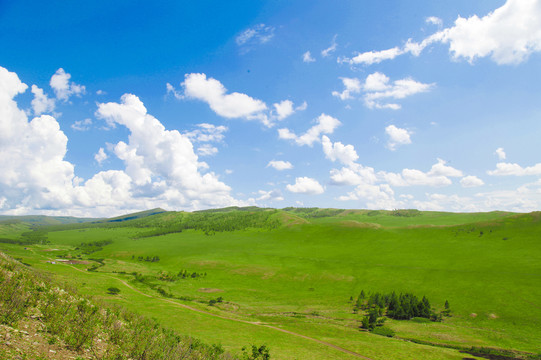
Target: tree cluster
x,y
403,306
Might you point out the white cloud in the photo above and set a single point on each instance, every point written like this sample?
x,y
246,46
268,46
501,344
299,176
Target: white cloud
x,y
506,169
307,57
302,106
437,176
100,156
305,185
352,86
440,168
434,20
378,89
374,196
495,35
272,195
471,181
207,133
397,137
346,154
82,125
207,150
373,57
500,153
62,86
171,90
258,34
508,35
413,177
280,165
354,174
233,105
284,109
161,168
41,103
328,51
325,125
100,92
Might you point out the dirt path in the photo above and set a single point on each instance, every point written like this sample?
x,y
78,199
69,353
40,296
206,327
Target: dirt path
x,y
255,323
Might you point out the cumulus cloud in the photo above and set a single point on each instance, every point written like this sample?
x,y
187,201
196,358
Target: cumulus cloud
x,y
41,103
397,137
471,181
100,156
280,165
438,176
63,88
305,185
82,125
507,169
354,174
161,168
272,195
495,35
258,34
378,90
325,124
351,85
508,35
500,153
233,105
307,57
346,154
374,196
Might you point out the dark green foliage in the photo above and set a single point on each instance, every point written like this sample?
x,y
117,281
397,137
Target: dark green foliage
x,y
28,238
148,258
256,353
383,331
400,307
210,222
113,291
91,247
406,212
314,212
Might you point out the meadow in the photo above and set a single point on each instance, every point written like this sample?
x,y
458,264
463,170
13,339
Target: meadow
x,y
289,279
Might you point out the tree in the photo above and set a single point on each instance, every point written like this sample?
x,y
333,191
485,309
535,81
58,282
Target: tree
x,y
261,352
113,291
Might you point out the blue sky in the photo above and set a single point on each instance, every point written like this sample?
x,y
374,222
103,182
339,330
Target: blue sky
x,y
108,108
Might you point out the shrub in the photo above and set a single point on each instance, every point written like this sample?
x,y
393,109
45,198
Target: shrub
x,y
113,291
384,331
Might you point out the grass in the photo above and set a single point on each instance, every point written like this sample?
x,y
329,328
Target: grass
x,y
300,277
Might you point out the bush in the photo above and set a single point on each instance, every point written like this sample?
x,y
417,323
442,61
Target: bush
x,y
383,331
113,291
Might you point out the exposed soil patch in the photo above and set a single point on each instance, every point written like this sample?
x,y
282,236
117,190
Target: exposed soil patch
x,y
209,290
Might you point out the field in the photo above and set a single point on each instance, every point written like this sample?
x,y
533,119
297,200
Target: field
x,y
289,279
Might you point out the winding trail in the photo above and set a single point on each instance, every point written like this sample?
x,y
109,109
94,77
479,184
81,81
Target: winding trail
x,y
187,307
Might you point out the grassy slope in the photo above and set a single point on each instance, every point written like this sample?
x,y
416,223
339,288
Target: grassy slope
x,y
312,269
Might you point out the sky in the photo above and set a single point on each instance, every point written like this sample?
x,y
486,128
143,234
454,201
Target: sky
x,y
109,107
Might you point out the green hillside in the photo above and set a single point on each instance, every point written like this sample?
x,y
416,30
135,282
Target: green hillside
x,y
291,279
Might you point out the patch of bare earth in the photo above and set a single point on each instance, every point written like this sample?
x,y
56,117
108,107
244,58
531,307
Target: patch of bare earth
x,y
209,290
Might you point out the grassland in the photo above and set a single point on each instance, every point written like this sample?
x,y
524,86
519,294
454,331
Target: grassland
x,y
285,277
